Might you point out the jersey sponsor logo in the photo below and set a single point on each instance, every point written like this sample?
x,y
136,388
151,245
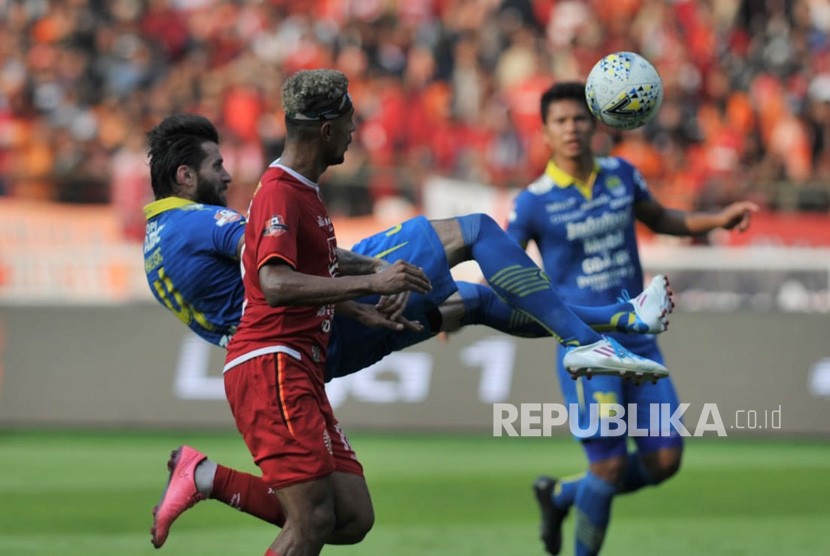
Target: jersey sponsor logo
x,y
593,226
324,222
560,205
226,216
614,185
153,261
153,236
275,226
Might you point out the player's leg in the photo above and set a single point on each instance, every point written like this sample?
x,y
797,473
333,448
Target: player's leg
x,y
435,246
478,304
522,285
511,274
333,510
658,454
310,518
352,507
591,493
284,417
194,478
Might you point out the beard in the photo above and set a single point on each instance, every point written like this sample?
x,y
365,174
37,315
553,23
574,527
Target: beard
x,y
209,193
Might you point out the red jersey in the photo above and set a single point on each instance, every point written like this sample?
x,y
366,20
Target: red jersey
x,y
288,221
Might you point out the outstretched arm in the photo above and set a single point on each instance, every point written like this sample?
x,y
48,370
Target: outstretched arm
x,y
673,222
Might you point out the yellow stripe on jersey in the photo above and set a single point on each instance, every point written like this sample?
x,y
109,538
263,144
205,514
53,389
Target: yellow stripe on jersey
x,y
563,179
391,250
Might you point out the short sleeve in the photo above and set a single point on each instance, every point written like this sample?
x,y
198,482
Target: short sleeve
x,y
278,214
641,191
520,220
228,228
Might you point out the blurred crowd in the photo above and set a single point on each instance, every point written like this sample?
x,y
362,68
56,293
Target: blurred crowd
x,y
446,87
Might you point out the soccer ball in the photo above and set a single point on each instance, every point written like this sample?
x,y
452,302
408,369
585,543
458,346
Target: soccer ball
x,y
624,90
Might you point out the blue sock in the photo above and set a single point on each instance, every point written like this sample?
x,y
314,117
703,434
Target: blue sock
x,y
592,513
519,282
564,494
483,306
636,474
619,317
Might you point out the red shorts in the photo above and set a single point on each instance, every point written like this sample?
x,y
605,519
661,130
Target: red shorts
x,y
281,409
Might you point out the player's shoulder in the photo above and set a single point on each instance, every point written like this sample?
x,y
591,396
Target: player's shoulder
x,y
540,186
615,164
214,215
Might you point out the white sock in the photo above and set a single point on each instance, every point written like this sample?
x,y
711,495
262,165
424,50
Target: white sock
x,y
203,477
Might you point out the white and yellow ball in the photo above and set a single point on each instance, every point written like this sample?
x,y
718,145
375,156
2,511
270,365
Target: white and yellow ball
x,y
624,90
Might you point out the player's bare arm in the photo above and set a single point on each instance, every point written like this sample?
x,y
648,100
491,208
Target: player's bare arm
x,y
663,220
369,315
283,286
353,264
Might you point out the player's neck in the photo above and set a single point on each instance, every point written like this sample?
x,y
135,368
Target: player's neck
x,y
304,160
579,167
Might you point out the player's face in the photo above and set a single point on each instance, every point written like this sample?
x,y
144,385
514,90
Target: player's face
x,y
341,130
568,129
212,178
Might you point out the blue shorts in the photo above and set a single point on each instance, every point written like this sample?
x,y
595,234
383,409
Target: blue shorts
x,y
352,346
588,395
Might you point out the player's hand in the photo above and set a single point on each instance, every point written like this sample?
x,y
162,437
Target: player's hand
x,y
737,215
400,276
368,315
393,306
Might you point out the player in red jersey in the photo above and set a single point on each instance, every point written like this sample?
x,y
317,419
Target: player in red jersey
x,y
275,366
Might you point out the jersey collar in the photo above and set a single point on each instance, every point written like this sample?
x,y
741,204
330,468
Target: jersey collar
x,y
563,179
299,177
162,205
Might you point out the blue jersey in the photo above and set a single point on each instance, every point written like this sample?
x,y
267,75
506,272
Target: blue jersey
x,y
585,232
190,258
191,265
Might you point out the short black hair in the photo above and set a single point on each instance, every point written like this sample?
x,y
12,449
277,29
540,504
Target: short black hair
x,y
177,141
563,90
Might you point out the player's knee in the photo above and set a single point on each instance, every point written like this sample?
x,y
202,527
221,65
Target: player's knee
x,y
358,527
472,226
666,467
611,470
319,523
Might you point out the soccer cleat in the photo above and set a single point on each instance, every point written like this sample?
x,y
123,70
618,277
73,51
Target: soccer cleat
x,y
179,494
651,307
552,517
608,357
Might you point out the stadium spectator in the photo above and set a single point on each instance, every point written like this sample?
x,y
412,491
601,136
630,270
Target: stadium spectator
x,y
464,67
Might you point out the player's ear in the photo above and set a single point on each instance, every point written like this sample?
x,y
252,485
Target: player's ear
x,y
326,130
185,180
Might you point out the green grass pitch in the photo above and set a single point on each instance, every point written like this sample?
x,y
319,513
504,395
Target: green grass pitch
x,y
91,493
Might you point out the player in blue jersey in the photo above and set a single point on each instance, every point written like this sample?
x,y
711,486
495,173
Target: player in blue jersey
x,y
191,258
192,245
581,213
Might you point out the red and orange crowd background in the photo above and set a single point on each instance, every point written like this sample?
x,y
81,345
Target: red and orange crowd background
x,y
441,87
